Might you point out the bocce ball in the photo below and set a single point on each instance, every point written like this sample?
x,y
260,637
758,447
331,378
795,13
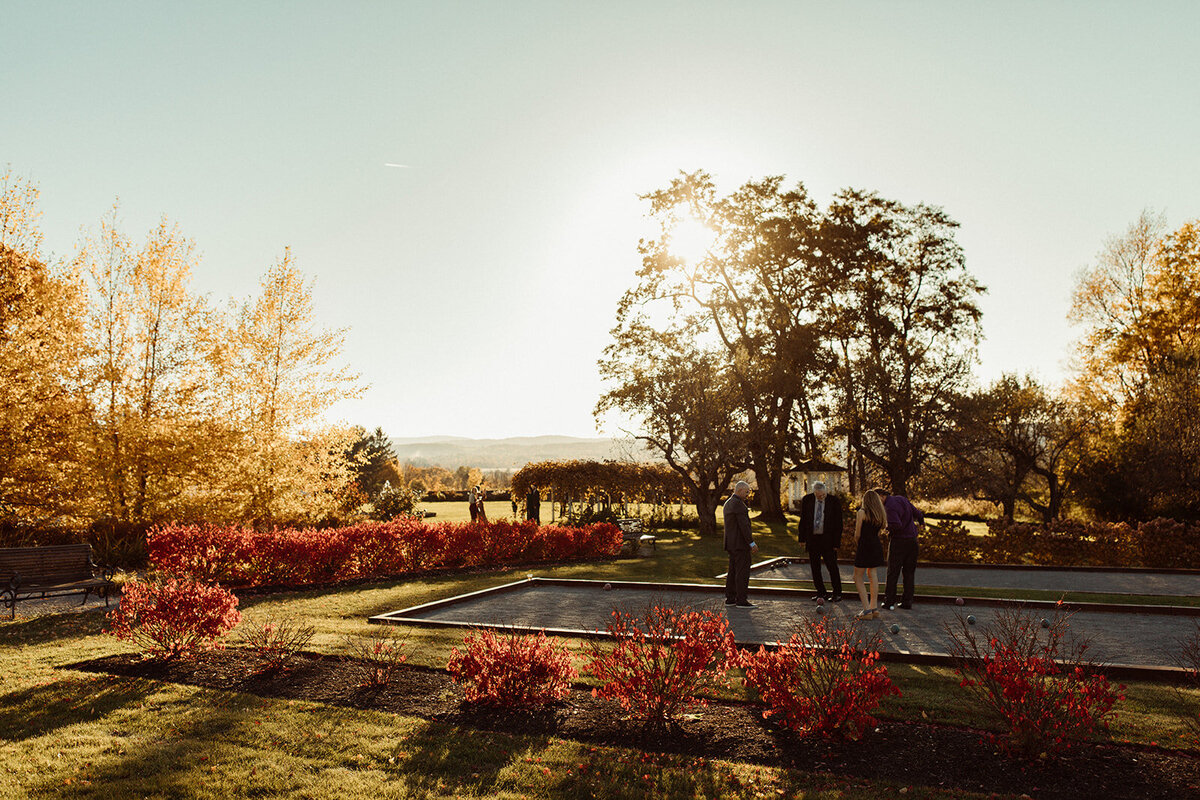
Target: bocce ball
x,y
1045,622
820,601
958,601
895,628
820,609
970,619
608,587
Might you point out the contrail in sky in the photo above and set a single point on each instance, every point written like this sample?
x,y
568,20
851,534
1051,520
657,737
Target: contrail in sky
x,y
402,166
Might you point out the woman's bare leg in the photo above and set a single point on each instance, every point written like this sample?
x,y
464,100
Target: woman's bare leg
x,y
862,590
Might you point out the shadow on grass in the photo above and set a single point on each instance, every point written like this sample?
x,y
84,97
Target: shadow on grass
x,y
441,754
54,627
40,710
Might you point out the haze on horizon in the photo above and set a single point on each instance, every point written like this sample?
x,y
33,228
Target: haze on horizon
x,y
462,178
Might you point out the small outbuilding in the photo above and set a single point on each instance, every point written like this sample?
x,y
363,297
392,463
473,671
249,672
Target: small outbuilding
x,y
801,477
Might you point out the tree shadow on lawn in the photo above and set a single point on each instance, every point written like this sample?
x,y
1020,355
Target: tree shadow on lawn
x,y
39,710
444,753
163,764
55,627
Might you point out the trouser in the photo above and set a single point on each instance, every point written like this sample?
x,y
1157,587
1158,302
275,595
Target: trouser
x,y
737,578
902,558
816,555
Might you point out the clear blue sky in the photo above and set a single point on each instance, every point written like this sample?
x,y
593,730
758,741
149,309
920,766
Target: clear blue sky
x,y
481,281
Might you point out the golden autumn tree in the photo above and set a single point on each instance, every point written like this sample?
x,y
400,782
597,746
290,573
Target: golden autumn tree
x,y
41,407
152,363
1139,368
282,375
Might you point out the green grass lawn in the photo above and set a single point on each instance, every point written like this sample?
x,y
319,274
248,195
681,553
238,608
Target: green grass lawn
x,y
65,733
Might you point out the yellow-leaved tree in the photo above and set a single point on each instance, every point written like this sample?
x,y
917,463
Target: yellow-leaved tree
x,y
282,373
41,406
152,363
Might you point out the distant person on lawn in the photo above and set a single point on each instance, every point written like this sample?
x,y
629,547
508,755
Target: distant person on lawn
x,y
533,506
739,543
480,496
902,520
472,500
821,532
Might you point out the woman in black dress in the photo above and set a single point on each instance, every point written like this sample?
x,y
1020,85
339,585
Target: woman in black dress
x,y
868,553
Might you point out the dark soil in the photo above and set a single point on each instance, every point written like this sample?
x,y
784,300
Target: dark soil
x,y
905,752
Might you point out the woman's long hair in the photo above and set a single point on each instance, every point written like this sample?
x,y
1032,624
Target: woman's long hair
x,y
872,506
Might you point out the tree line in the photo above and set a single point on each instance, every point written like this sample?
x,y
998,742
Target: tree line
x,y
762,329
125,395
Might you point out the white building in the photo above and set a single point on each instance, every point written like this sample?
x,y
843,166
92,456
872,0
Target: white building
x,y
801,477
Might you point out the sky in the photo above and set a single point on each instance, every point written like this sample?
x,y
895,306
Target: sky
x,y
479,281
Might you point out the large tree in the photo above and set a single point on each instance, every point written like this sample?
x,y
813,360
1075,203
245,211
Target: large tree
x,y
749,295
1015,441
284,374
152,356
1139,352
907,332
689,410
41,405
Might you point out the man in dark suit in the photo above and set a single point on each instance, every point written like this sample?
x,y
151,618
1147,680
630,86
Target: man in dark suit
x,y
739,543
821,533
533,506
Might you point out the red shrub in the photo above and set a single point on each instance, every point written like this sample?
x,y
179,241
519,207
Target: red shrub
x,y
511,669
822,682
661,661
1167,543
379,656
176,618
1045,691
370,550
276,641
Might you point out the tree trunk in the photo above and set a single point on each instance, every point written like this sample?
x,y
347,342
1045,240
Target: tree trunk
x,y
1054,503
706,509
1008,506
769,476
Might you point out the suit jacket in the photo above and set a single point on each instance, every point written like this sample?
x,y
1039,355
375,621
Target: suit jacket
x,y
737,525
832,537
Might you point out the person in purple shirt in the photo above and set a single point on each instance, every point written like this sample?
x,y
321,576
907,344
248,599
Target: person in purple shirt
x,y
902,521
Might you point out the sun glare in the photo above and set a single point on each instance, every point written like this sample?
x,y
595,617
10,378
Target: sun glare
x,y
691,239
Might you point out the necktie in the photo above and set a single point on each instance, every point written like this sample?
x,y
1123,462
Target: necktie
x,y
819,517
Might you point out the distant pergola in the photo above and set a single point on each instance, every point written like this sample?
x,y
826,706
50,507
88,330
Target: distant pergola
x,y
802,476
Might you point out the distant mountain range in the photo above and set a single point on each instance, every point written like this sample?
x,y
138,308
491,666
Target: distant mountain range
x,y
515,452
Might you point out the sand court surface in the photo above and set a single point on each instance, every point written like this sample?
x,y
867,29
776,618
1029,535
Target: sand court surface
x,y
1137,641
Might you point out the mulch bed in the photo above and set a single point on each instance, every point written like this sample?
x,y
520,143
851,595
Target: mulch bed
x,y
905,752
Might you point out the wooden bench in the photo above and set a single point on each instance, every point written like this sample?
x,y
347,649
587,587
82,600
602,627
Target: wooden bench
x,y
631,531
26,572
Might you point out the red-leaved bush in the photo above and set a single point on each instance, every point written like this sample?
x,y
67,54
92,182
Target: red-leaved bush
x,y
1188,660
378,656
243,556
1041,686
1159,543
277,641
661,660
175,618
511,669
822,682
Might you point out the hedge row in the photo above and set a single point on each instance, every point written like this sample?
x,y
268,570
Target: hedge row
x,y
1159,544
239,556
